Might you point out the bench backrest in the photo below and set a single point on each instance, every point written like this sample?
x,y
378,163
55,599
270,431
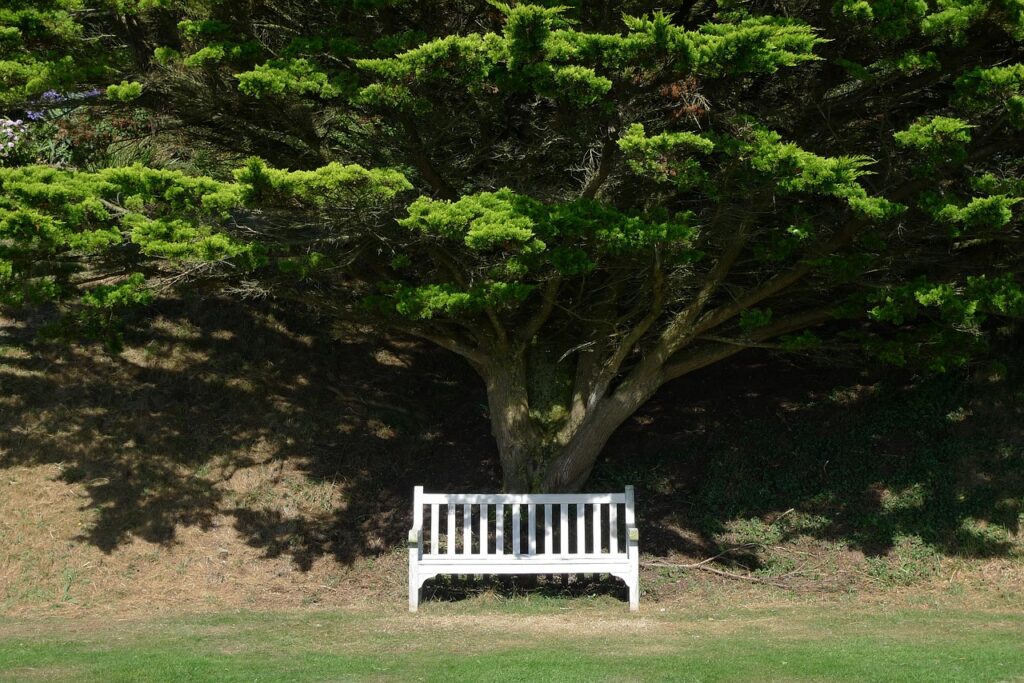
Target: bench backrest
x,y
523,525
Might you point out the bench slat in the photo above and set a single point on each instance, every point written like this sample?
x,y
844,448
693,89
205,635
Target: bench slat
x,y
434,511
450,543
516,528
484,535
596,517
541,564
581,529
467,530
532,514
548,534
526,498
499,529
525,560
563,536
613,528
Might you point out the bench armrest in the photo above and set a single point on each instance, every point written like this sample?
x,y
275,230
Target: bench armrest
x,y
415,539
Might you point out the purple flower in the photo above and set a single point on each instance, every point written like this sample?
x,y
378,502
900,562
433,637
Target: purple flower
x,y
51,96
35,115
10,134
94,92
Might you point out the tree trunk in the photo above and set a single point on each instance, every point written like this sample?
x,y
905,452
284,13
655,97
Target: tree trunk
x,y
572,465
519,441
533,457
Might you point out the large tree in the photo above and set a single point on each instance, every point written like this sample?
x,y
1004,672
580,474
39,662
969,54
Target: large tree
x,y
585,202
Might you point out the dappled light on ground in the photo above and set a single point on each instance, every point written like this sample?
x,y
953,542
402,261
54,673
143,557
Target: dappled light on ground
x,y
230,456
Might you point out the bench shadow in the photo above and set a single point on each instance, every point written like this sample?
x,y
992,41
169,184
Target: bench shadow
x,y
450,588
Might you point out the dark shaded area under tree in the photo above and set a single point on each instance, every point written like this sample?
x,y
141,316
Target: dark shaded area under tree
x,y
867,459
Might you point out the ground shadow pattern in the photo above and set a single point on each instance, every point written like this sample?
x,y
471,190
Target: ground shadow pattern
x,y
865,460
207,391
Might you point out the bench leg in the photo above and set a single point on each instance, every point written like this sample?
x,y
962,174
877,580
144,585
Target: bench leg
x,y
414,586
634,569
634,593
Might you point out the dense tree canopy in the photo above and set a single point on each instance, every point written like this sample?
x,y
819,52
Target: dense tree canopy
x,y
584,201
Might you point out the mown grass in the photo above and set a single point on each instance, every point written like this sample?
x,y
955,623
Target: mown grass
x,y
550,640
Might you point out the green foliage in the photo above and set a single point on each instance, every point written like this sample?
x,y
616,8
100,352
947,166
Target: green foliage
x,y
178,239
963,306
166,56
954,19
333,184
304,266
911,63
793,169
805,341
941,140
980,213
753,318
99,315
55,25
124,91
666,157
288,78
890,18
538,51
999,88
947,21
171,215
514,237
484,221
514,226
425,302
912,561
630,191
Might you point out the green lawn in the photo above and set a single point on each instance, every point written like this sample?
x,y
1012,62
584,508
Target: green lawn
x,y
554,640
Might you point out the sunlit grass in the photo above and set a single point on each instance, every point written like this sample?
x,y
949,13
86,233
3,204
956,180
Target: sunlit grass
x,y
549,640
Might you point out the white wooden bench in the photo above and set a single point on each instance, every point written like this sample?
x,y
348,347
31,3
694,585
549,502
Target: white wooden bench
x,y
571,533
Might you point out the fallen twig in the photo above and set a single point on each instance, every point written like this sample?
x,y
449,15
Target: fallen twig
x,y
780,517
742,546
702,566
729,575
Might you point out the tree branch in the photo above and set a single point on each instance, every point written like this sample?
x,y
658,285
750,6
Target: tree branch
x,y
769,289
609,150
448,262
706,355
625,347
421,160
449,342
714,279
548,296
